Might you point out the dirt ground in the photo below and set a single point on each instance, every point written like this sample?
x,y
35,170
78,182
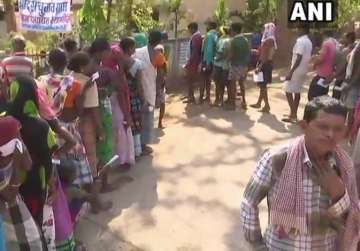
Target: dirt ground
x,y
187,196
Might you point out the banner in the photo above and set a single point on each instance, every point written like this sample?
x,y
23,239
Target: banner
x,y
45,15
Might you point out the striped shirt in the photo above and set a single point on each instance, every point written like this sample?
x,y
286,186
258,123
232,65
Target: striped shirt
x,y
323,217
17,64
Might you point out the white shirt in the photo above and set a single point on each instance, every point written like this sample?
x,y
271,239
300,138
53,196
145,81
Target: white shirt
x,y
148,79
303,46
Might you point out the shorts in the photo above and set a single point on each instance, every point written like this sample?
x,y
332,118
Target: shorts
x,y
350,97
316,89
237,73
266,69
295,84
220,75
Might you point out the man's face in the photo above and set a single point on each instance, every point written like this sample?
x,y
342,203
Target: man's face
x,y
325,132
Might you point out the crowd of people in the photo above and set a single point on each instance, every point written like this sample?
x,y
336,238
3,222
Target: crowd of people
x,y
62,132
310,183
92,111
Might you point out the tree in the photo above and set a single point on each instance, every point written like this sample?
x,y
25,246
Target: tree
x,y
222,13
10,15
92,20
173,7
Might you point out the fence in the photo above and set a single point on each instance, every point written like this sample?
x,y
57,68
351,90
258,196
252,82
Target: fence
x,y
176,51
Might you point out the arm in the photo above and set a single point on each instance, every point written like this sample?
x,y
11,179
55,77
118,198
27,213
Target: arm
x,y
320,58
264,52
295,66
70,141
256,190
356,75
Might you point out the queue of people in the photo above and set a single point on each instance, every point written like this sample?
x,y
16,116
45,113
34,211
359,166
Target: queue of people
x,y
62,132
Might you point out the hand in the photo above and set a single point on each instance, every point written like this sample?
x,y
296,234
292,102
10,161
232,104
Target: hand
x,y
329,180
88,85
101,136
289,76
128,121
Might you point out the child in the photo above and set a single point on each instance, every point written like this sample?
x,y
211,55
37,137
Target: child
x,y
160,85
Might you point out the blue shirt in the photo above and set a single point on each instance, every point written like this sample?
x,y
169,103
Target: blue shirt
x,y
209,47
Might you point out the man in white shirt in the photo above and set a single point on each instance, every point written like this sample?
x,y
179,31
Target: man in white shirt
x,y
148,56
299,67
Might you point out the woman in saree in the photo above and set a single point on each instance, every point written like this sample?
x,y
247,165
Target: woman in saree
x,y
16,221
106,81
133,69
120,106
41,184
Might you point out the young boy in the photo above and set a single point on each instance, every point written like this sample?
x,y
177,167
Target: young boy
x,y
310,187
160,84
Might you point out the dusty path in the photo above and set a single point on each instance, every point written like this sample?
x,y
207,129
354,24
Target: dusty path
x,y
187,196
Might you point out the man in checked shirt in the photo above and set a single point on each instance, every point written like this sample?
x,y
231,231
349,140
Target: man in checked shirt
x,y
310,187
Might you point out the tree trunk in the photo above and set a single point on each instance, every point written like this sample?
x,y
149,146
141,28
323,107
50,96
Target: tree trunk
x,y
109,11
10,15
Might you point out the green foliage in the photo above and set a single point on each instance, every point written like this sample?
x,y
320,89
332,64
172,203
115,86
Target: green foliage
x,y
92,20
173,8
142,16
222,13
347,9
258,13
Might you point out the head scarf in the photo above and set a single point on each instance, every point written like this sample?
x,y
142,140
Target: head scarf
x,y
23,98
269,33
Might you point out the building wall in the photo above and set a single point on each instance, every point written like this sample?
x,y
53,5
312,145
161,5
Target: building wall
x,y
201,10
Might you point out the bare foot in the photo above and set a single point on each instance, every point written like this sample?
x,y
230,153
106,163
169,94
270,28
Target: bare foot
x,y
105,206
265,110
147,150
107,188
161,126
244,106
256,106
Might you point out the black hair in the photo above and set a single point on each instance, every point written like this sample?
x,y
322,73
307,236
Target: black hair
x,y
70,44
305,27
78,60
18,43
57,59
236,27
193,26
329,32
326,104
26,91
211,25
154,37
127,43
99,45
351,36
